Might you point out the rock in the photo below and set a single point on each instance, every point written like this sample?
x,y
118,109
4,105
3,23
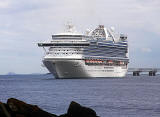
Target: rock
x,y
22,109
63,115
76,110
17,108
5,110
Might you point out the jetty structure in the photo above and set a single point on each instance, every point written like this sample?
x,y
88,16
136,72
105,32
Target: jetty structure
x,y
138,71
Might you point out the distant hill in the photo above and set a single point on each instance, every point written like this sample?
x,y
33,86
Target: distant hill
x,y
11,73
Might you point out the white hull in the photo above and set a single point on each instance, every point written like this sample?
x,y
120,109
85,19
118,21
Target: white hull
x,y
78,69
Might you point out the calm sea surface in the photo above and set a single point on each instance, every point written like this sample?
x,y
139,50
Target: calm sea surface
x,y
127,97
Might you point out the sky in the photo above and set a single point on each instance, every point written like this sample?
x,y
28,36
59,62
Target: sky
x,y
24,23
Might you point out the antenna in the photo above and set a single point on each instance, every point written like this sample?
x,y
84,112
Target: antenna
x,y
69,27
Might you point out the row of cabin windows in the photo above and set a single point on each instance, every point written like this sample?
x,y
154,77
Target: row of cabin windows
x,y
67,50
66,53
64,50
109,64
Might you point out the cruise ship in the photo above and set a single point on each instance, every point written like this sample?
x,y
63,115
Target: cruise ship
x,y
100,52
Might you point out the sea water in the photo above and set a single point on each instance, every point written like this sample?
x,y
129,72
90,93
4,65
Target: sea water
x,y
114,97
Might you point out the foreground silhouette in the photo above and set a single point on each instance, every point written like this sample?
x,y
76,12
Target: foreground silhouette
x,y
17,108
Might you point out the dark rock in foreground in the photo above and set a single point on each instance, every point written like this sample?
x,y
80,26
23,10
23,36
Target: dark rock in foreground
x,y
17,108
76,110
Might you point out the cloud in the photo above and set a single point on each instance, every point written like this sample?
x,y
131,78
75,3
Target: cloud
x,y
146,50
23,23
4,4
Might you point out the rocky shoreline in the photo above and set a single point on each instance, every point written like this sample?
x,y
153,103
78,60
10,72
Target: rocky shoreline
x,y
17,108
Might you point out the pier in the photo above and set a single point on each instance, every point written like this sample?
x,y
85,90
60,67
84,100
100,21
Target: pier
x,y
150,71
